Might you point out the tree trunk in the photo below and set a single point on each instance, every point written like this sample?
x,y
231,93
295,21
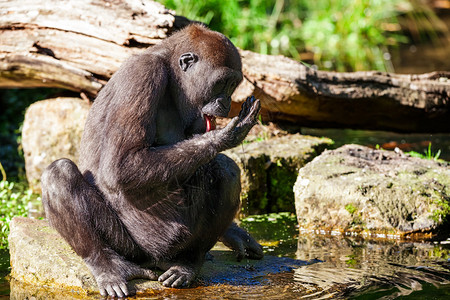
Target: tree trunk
x,y
79,44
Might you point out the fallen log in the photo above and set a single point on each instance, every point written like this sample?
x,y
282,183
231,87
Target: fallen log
x,y
294,92
79,44
75,44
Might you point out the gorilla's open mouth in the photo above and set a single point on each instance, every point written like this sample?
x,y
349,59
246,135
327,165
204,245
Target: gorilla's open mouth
x,y
210,122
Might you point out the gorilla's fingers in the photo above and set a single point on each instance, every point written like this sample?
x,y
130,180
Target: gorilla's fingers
x,y
255,252
169,281
124,288
177,276
110,291
180,282
232,124
256,107
118,291
165,275
253,113
240,253
244,109
149,274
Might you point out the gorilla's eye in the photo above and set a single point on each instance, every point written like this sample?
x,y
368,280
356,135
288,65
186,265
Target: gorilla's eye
x,y
233,86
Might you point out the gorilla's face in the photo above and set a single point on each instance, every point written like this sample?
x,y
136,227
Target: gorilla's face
x,y
209,87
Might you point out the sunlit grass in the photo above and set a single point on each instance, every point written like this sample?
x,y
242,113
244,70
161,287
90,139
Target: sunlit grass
x,y
15,199
427,153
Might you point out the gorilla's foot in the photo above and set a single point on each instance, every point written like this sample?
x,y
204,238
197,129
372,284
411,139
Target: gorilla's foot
x,y
177,276
112,274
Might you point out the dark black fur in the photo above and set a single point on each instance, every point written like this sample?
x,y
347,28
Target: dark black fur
x,y
151,185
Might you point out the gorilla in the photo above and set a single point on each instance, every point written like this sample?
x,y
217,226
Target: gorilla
x,y
151,185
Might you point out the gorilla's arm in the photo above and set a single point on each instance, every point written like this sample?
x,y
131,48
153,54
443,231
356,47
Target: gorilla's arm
x,y
130,160
158,165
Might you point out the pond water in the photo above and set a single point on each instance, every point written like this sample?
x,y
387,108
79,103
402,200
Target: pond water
x,y
351,267
417,142
338,267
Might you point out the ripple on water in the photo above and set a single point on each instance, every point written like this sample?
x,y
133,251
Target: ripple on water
x,y
372,269
338,267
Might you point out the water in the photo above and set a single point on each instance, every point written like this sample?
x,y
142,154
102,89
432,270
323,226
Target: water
x,y
353,267
338,267
361,269
417,142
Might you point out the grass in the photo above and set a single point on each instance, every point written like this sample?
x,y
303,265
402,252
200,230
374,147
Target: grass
x,y
15,199
427,154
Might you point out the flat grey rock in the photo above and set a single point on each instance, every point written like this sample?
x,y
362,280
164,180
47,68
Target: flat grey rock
x,y
45,267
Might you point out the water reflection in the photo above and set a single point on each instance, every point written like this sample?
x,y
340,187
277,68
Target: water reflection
x,y
328,267
354,268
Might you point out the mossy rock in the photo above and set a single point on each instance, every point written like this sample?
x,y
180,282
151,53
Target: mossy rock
x,y
361,189
269,169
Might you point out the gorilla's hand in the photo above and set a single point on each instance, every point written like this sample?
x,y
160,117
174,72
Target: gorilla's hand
x,y
238,128
242,243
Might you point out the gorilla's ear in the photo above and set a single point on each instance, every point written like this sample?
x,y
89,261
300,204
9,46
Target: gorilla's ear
x,y
187,60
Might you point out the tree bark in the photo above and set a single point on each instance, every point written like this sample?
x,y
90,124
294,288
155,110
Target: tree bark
x,y
79,44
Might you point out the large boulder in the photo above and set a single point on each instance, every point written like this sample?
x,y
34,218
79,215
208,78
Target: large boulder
x,y
269,169
375,191
45,267
52,129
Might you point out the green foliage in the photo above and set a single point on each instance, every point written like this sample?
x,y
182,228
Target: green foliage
x,y
441,199
15,198
350,208
282,179
352,35
342,34
268,27
356,215
13,104
442,213
428,154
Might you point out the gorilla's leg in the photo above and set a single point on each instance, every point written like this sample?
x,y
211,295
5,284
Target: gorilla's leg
x,y
213,198
228,191
77,211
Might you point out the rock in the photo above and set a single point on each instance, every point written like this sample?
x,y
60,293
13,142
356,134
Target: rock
x,y
52,129
360,189
43,265
269,169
